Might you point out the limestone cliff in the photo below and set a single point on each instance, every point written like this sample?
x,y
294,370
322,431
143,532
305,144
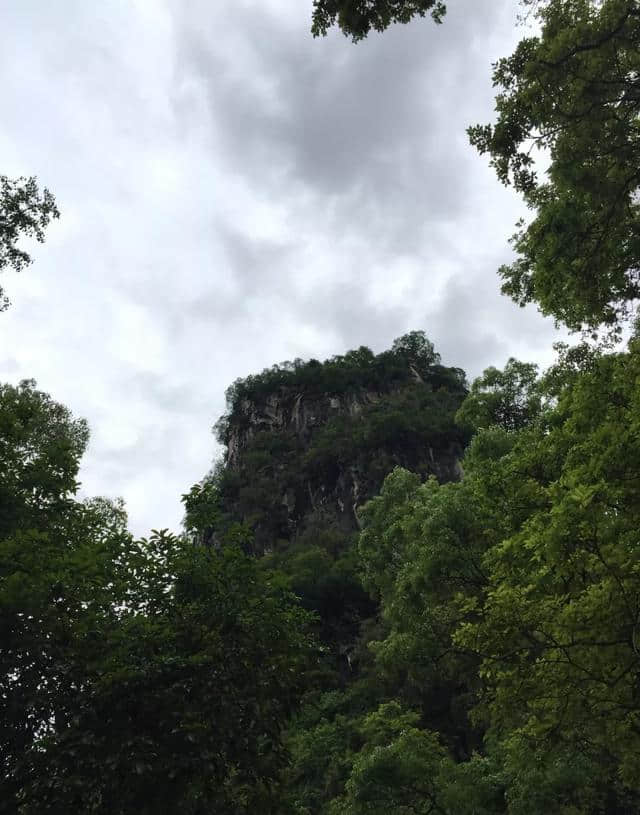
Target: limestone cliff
x,y
300,455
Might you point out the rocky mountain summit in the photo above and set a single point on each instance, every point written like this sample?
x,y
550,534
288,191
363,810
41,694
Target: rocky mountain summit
x,y
308,443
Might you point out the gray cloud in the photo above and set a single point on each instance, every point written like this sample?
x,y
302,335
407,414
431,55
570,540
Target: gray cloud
x,y
235,193
367,129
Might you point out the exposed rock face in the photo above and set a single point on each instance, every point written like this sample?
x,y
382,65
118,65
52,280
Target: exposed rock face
x,y
315,461
290,411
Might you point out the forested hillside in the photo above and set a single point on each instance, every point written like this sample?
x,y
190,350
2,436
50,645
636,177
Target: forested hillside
x,y
477,633
307,443
397,592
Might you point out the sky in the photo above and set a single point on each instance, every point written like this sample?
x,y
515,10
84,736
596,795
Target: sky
x,y
234,193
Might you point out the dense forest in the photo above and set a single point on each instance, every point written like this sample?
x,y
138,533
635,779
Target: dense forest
x,y
398,591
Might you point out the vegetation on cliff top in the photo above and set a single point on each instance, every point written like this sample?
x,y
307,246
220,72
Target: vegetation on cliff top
x,y
411,357
281,479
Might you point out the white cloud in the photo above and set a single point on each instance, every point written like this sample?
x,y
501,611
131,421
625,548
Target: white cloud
x,y
234,193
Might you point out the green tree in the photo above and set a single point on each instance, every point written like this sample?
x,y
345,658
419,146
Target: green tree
x,y
40,449
521,582
509,398
573,92
357,18
24,212
184,709
135,676
417,350
323,742
421,552
60,588
557,628
398,769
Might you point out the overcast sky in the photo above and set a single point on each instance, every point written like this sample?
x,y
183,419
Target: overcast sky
x,y
235,193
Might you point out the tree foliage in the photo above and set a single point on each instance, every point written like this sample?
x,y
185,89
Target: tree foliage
x,y
493,668
128,677
40,448
171,714
558,631
356,18
24,212
573,92
411,357
522,582
507,398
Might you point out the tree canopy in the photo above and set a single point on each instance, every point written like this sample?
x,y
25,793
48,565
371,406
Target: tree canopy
x,y
505,660
24,212
127,669
356,18
573,93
